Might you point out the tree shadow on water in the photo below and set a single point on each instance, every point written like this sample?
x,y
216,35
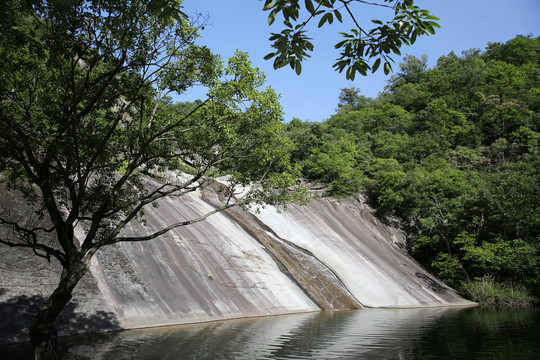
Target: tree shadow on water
x,y
16,315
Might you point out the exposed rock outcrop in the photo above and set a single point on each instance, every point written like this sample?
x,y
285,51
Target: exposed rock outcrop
x,y
330,255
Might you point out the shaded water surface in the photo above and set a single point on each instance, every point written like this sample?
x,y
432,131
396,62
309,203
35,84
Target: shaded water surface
x,y
470,333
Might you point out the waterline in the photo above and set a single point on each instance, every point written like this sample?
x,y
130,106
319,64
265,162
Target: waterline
x,y
435,333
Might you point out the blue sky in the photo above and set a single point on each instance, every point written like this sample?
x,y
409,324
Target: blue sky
x,y
312,96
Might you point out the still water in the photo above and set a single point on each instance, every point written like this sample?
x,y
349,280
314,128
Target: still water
x,y
442,333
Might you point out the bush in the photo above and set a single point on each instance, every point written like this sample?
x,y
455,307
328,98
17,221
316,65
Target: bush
x,y
486,291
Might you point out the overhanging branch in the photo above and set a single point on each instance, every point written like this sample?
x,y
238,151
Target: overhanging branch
x,y
168,228
47,251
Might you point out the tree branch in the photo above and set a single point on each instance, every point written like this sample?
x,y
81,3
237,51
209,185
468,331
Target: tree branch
x,y
28,238
168,228
345,2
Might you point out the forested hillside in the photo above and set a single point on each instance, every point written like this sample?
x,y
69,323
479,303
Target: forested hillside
x,y
454,151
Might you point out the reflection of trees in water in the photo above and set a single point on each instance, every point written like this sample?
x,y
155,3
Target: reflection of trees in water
x,y
251,338
16,315
361,334
484,333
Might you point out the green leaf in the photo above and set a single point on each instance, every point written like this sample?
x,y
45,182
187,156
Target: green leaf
x,y
413,36
279,63
349,74
326,17
387,68
341,43
430,28
298,67
322,21
310,7
395,50
269,4
272,17
338,16
283,46
330,18
376,65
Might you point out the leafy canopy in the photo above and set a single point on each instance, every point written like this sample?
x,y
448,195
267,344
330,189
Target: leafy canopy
x,y
364,48
85,115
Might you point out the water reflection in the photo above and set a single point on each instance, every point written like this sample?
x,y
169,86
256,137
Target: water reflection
x,y
370,333
441,333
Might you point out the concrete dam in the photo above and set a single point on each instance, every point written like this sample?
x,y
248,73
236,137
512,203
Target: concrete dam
x,y
327,255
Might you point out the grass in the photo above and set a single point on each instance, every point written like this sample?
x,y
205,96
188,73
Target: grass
x,y
486,291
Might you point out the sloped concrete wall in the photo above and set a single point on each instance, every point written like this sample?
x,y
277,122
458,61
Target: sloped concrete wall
x,y
367,255
330,254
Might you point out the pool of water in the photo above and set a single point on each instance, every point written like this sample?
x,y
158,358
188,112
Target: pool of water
x,y
441,333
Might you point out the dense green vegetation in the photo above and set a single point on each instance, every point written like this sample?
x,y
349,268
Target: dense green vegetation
x,y
454,151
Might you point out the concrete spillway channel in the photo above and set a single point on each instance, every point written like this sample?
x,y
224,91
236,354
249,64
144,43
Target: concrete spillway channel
x,y
328,255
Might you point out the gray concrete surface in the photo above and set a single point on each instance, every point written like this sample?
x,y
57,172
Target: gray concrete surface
x,y
329,254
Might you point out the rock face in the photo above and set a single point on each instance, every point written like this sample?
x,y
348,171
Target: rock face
x,y
328,255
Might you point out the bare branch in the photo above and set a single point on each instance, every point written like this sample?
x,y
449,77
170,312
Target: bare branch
x,y
28,238
354,19
346,2
168,228
48,251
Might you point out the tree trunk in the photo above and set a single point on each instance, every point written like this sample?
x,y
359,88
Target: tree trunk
x,y
43,335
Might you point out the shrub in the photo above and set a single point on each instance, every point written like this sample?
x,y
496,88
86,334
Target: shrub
x,y
486,291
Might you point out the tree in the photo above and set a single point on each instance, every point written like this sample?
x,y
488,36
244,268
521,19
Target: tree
x,y
359,46
303,137
88,132
350,99
517,51
412,70
335,162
